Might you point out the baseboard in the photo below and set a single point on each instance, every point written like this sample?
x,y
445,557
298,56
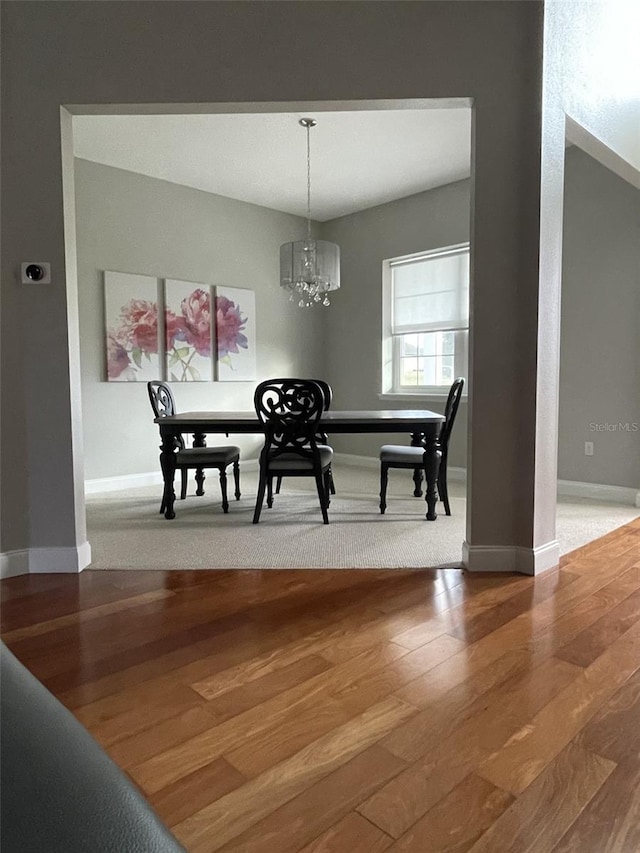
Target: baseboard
x,y
14,563
359,461
45,561
526,561
117,484
599,492
135,481
568,488
458,475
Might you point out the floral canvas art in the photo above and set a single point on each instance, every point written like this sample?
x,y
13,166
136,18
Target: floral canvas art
x,y
188,331
131,319
235,334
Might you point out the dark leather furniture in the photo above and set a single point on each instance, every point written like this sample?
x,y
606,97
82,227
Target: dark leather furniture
x,y
61,793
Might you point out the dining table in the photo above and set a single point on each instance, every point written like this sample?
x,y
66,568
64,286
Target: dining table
x,y
423,426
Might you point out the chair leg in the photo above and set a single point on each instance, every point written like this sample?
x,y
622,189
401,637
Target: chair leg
x,y
278,484
236,478
327,486
183,485
269,492
223,489
322,497
262,484
384,476
199,482
332,488
443,491
417,482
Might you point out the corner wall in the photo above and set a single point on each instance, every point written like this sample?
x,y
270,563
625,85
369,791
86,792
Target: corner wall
x,y
243,53
428,220
133,223
591,79
600,326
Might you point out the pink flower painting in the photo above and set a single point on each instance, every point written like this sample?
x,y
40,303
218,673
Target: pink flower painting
x,y
229,326
195,350
132,327
188,331
118,361
235,334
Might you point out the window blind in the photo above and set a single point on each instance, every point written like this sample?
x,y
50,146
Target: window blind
x,y
430,293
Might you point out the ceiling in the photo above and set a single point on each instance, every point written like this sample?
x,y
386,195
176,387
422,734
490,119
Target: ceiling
x,y
359,159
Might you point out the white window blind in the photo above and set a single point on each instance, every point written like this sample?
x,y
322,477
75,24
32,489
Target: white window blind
x,y
431,293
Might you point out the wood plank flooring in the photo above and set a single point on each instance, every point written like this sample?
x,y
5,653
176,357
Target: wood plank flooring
x,y
359,711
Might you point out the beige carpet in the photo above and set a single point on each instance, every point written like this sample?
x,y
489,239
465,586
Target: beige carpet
x,y
125,529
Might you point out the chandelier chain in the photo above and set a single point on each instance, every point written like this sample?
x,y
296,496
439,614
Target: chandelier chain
x,y
308,182
309,268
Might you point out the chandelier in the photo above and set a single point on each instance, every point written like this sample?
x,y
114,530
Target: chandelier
x,y
309,269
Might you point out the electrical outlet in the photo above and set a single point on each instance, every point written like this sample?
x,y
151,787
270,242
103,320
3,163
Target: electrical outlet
x,y
588,448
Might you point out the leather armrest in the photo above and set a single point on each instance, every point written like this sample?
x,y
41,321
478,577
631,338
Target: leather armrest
x,y
61,793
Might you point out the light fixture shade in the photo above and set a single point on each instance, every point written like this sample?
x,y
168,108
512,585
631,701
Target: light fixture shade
x,y
309,270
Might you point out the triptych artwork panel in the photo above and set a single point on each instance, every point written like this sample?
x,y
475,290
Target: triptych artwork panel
x,y
132,334
235,334
188,331
196,334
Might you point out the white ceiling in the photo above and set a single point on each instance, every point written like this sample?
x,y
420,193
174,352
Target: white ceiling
x,y
358,159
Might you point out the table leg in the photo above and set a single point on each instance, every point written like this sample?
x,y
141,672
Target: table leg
x,y
199,441
432,456
417,440
168,466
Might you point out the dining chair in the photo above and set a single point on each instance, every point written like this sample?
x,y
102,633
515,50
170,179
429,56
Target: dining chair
x,y
402,456
321,437
290,411
197,457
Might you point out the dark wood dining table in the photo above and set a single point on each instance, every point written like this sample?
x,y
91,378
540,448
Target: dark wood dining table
x,y
424,427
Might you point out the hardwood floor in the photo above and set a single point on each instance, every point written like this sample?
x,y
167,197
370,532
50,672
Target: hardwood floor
x,y
359,711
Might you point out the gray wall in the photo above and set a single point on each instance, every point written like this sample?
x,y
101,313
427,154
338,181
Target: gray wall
x,y
600,337
233,53
225,53
580,39
353,329
132,223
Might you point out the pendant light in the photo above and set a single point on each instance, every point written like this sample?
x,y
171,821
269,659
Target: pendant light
x,y
309,269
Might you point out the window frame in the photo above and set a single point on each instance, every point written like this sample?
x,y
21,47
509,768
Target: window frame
x,y
391,343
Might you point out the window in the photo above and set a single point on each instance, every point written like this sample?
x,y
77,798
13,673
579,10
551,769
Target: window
x,y
426,318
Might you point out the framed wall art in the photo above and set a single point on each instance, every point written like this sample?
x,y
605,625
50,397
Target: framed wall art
x,y
187,312
131,321
235,330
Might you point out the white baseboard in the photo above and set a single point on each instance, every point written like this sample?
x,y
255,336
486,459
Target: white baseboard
x,y
526,561
458,475
360,461
14,563
117,484
568,488
45,561
599,492
135,481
